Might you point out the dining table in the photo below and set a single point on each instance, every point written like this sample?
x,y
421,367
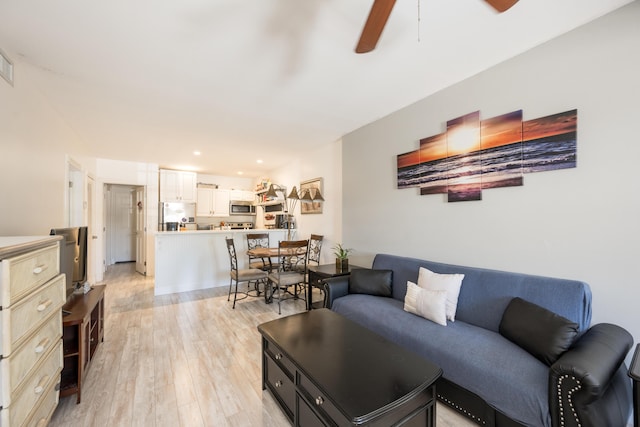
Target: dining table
x,y
269,253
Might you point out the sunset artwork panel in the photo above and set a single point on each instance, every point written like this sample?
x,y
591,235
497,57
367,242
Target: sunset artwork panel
x,y
550,142
474,155
501,139
408,173
465,162
433,164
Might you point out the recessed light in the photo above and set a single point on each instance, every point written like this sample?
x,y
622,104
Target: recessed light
x,y
259,161
196,153
240,172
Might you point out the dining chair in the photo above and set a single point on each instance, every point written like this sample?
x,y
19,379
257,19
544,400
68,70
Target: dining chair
x,y
315,245
258,240
242,275
291,271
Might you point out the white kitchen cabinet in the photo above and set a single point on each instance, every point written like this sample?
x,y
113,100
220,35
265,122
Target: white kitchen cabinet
x,y
212,202
177,186
242,195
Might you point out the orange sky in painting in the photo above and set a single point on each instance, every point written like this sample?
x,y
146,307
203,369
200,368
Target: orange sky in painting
x,y
501,130
408,159
433,148
555,124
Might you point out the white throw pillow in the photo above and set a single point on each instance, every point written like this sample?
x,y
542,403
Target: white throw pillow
x,y
451,283
431,305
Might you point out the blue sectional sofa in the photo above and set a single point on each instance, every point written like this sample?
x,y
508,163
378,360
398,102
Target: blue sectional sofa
x,y
487,377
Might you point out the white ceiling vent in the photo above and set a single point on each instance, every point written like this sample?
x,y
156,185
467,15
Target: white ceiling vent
x,y
6,68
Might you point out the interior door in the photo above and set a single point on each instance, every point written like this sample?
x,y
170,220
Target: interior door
x,y
123,229
92,261
140,230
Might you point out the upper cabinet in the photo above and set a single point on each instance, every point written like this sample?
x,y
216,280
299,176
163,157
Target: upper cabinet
x,y
212,202
242,195
177,186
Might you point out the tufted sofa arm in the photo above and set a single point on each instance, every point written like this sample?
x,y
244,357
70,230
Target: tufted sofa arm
x,y
334,288
587,384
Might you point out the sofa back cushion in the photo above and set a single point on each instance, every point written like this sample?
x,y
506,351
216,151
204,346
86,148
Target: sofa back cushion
x,y
541,332
485,294
371,282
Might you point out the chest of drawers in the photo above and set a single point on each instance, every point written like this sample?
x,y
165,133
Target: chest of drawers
x,y
32,292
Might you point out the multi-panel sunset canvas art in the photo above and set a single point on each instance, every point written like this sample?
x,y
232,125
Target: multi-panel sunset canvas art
x,y
473,154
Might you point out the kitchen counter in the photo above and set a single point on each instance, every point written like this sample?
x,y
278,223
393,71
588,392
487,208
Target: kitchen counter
x,y
198,259
248,230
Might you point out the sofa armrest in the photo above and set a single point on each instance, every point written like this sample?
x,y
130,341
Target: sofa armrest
x,y
334,288
582,389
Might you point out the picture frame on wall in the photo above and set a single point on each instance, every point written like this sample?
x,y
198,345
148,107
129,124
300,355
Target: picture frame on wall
x,y
311,185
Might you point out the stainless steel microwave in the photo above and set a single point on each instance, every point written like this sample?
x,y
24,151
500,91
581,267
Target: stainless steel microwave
x,y
241,207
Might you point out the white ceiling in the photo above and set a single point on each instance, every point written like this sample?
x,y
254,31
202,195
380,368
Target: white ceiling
x,y
241,80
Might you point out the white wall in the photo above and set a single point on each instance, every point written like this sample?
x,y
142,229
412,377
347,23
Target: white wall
x,y
34,142
323,162
581,223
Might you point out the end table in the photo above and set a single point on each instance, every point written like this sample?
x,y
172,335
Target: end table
x,y
317,273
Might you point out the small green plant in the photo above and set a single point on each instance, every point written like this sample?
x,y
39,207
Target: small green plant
x,y
340,252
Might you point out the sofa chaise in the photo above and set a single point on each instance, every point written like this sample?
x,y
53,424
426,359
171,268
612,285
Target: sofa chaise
x,y
494,371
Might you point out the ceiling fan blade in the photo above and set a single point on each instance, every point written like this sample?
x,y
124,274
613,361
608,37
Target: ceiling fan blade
x,y
501,5
376,21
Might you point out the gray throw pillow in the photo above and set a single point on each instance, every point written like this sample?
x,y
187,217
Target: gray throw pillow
x,y
371,282
543,333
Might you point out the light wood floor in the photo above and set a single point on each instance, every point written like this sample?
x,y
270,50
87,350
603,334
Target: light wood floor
x,y
180,360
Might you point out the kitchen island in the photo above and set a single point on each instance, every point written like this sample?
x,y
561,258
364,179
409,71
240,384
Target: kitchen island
x,y
192,260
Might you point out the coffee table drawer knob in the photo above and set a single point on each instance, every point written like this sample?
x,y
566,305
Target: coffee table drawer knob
x,y
319,400
278,384
279,356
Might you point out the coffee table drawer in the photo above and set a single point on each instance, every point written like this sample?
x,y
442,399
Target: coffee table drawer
x,y
319,400
306,416
277,355
280,385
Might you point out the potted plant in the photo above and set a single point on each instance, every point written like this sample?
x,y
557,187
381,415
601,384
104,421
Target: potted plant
x,y
342,257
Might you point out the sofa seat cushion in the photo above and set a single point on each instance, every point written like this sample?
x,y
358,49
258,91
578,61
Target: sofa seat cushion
x,y
482,361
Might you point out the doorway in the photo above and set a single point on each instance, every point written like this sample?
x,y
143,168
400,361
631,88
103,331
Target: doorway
x,y
125,225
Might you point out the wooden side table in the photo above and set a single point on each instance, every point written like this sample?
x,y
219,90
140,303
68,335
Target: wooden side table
x,y
82,332
317,273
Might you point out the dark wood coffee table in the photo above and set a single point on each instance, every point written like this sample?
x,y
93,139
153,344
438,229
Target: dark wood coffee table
x,y
325,370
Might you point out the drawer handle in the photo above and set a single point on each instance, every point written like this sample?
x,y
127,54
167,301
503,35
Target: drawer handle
x,y
279,356
278,384
42,345
43,305
319,400
40,387
39,269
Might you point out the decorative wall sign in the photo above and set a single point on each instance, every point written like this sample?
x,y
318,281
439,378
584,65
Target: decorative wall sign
x,y
474,155
312,186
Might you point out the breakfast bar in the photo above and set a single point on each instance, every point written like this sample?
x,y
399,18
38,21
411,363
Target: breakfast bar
x,y
192,260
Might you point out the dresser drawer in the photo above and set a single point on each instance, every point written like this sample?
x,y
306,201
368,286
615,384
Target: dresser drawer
x,y
24,359
43,413
24,273
34,390
280,385
22,319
